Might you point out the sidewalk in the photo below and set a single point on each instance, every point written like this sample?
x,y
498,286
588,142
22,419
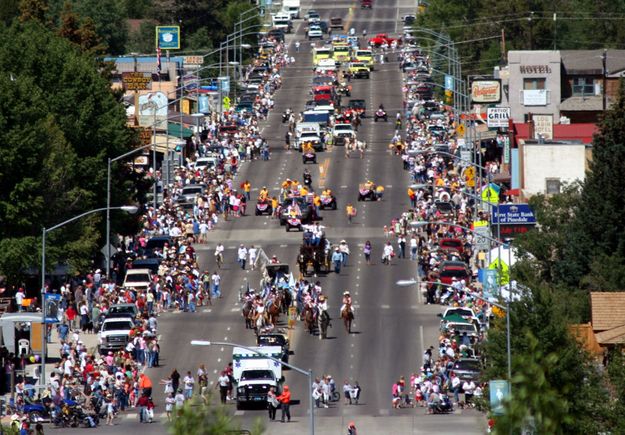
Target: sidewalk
x,y
53,356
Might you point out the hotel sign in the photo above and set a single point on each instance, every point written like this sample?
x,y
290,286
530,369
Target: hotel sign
x,y
535,69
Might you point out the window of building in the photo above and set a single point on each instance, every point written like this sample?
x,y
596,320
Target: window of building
x,y
583,86
533,83
552,186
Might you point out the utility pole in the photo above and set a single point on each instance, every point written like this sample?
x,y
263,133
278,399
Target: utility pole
x,y
530,20
555,30
604,60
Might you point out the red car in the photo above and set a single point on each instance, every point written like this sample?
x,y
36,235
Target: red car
x,y
366,4
323,93
381,38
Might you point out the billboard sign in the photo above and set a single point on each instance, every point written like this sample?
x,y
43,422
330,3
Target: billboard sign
x,y
53,312
224,83
513,214
499,393
203,104
137,81
449,82
152,107
497,117
490,285
168,37
486,91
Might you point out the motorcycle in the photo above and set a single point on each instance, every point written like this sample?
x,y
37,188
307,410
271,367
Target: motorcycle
x,y
308,180
380,114
285,117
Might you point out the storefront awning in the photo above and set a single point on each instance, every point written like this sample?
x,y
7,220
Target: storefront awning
x,y
173,129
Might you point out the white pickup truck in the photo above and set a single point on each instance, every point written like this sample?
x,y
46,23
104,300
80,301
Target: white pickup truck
x,y
255,374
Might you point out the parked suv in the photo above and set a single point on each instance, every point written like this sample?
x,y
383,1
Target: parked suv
x,y
114,334
139,279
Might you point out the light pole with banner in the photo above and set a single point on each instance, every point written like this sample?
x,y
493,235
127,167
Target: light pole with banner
x,y
308,373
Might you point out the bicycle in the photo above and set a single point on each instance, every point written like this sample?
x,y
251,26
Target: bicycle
x,y
219,258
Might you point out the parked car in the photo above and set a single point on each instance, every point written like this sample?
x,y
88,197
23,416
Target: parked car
x,y
453,269
467,369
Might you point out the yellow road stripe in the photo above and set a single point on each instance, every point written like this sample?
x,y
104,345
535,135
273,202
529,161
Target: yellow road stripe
x,y
323,172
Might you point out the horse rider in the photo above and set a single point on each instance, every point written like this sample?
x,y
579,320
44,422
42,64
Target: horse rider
x,y
347,301
322,304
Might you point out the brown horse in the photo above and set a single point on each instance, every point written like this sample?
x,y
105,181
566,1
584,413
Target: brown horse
x,y
348,316
309,319
274,310
248,314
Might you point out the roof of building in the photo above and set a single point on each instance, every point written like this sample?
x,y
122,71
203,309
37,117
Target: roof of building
x,y
589,62
611,336
607,310
591,103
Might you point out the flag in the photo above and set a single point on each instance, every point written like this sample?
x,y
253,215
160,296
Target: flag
x,y
158,60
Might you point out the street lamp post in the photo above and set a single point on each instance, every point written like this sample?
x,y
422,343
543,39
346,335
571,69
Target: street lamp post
x,y
308,373
507,307
127,208
108,203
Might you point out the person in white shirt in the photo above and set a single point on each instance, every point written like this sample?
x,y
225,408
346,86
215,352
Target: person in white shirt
x,y
19,299
179,399
414,246
219,251
170,401
468,387
252,252
455,387
387,254
188,382
242,256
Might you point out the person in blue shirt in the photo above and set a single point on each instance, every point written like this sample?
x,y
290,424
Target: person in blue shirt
x,y
337,260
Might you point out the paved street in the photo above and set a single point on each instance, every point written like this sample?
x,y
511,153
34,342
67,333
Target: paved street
x,y
390,320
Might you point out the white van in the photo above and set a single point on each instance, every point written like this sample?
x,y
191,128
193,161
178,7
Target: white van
x,y
282,21
291,7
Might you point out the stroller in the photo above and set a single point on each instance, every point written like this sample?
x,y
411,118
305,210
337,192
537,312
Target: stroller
x,y
444,406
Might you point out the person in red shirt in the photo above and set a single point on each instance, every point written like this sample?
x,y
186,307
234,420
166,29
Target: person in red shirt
x,y
285,403
71,315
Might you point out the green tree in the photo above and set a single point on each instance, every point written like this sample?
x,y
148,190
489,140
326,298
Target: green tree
x,y
198,418
539,327
548,242
142,40
70,24
110,22
199,40
9,9
598,229
137,9
534,401
55,136
33,10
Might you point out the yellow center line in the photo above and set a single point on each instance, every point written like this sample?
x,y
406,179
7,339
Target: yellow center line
x,y
323,172
350,17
